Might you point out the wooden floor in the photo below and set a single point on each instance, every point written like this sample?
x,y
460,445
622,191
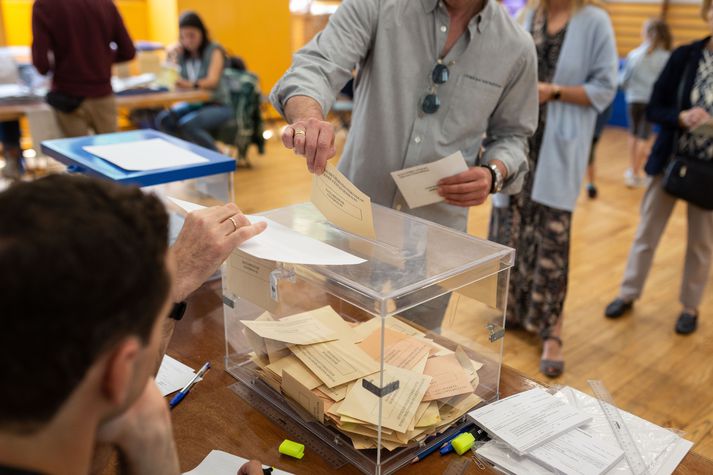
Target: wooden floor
x,y
649,370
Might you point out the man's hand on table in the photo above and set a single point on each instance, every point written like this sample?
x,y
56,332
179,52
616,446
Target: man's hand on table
x,y
206,240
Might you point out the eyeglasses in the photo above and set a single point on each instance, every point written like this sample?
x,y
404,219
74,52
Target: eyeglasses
x,y
440,74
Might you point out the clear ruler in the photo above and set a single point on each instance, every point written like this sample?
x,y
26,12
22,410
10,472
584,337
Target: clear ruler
x,y
286,422
621,431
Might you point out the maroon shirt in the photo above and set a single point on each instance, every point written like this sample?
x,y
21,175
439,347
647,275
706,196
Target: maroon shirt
x,y
85,37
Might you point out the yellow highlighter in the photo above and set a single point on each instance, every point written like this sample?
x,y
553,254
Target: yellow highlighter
x,y
463,443
293,449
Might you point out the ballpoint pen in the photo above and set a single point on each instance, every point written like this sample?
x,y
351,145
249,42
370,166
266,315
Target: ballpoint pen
x,y
187,388
426,452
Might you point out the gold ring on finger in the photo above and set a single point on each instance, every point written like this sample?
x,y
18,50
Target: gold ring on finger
x,y
234,223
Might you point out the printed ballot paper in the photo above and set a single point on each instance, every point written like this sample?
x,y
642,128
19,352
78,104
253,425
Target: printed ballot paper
x,y
173,375
144,155
419,184
342,203
282,244
528,419
222,463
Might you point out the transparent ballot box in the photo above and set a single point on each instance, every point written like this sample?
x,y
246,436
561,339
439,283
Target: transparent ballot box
x,y
374,361
208,182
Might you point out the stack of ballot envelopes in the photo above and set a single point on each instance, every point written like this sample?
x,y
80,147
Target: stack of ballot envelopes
x,y
331,369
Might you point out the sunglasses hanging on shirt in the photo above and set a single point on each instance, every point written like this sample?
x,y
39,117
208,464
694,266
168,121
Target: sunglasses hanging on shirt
x,y
440,75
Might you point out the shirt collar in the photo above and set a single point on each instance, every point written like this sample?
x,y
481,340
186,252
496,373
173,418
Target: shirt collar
x,y
478,22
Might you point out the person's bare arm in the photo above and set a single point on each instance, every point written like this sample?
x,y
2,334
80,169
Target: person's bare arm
x,y
215,71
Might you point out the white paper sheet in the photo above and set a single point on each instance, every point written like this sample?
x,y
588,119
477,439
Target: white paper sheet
x,y
418,184
143,155
498,454
282,244
173,375
577,453
661,449
528,419
218,462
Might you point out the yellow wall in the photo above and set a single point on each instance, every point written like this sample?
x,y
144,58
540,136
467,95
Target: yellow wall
x,y
256,30
162,16
17,15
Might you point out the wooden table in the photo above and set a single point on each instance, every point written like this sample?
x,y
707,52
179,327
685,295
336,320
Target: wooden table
x,y
214,417
133,101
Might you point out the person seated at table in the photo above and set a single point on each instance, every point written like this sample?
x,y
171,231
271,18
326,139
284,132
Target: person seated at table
x,y
201,63
86,283
12,152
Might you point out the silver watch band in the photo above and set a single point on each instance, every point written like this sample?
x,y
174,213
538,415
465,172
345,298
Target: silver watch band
x,y
499,180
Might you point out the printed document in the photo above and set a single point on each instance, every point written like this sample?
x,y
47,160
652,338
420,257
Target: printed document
x,y
577,453
342,203
336,362
222,463
143,155
173,375
528,419
419,184
299,330
398,408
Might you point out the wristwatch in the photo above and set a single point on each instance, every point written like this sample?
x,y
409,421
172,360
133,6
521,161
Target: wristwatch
x,y
556,93
178,310
497,178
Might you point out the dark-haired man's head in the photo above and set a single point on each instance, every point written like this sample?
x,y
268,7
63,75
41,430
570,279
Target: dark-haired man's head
x,y
85,275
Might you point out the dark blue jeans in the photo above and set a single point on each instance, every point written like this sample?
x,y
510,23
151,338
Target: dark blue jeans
x,y
194,122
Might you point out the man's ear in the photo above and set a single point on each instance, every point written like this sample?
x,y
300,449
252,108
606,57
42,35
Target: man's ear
x,y
120,369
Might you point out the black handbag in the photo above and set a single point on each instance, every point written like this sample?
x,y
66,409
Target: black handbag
x,y
63,102
691,180
688,178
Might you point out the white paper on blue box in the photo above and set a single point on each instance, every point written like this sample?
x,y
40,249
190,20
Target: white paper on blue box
x,y
143,155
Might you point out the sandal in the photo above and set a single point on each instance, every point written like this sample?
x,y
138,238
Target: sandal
x,y
552,368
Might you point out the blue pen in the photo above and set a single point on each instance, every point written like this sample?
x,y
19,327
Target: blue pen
x,y
478,433
425,453
187,388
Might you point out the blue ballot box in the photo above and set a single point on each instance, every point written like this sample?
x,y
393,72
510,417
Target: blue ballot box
x,y
207,182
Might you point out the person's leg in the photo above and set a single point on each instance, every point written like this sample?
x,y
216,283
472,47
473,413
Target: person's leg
x,y
631,117
550,284
75,123
102,114
196,126
12,152
656,208
592,191
167,121
698,257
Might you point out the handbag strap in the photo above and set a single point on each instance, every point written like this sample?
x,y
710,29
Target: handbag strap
x,y
679,98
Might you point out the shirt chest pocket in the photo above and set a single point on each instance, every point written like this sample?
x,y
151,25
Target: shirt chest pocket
x,y
471,103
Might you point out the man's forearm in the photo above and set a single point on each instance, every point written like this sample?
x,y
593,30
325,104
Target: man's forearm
x,y
302,107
